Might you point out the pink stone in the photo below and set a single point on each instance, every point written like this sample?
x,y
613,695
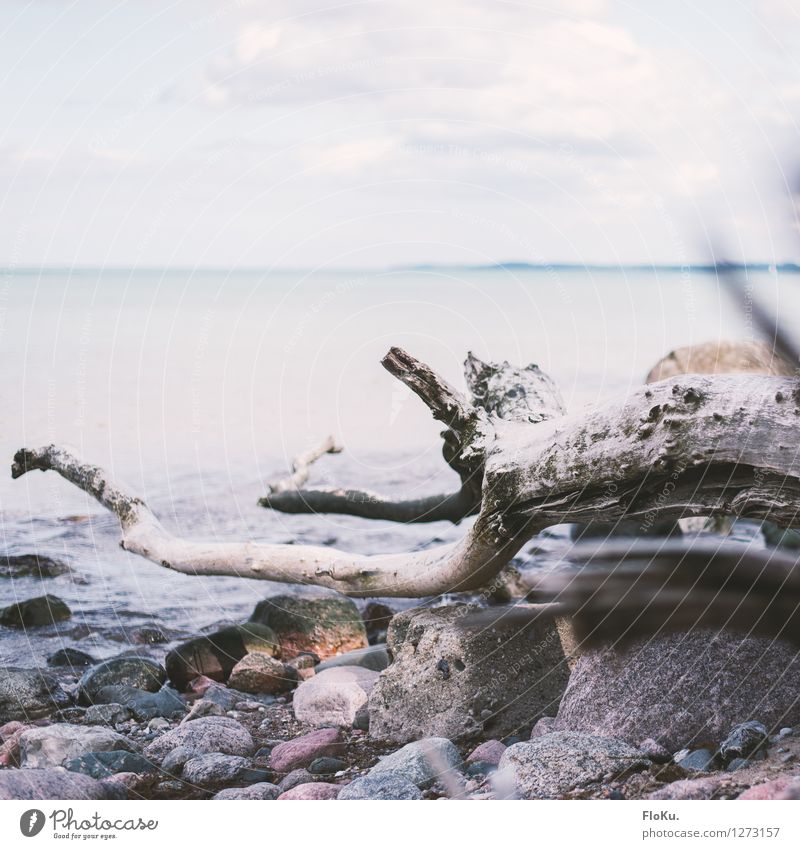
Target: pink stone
x,y
200,684
489,752
9,729
317,791
544,725
301,751
769,790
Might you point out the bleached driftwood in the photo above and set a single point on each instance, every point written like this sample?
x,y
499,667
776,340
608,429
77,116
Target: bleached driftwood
x,y
693,445
301,466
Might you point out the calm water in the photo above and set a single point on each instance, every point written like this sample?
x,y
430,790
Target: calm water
x,y
196,388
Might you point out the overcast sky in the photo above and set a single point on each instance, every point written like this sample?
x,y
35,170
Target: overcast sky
x,y
374,133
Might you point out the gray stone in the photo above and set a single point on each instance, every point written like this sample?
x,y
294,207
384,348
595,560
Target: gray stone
x,y
213,771
550,766
142,704
262,790
137,672
38,784
700,760
30,566
317,791
680,689
422,761
295,778
74,658
375,658
325,625
203,736
258,672
104,764
448,679
384,785
334,696
326,766
743,740
174,761
107,714
54,745
27,694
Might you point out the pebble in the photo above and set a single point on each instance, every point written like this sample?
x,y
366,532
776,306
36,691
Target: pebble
x,y
326,766
137,672
317,791
421,762
262,790
294,778
53,745
489,752
203,736
301,751
385,785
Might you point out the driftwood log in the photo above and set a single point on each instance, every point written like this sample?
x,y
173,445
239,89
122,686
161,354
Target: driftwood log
x,y
691,445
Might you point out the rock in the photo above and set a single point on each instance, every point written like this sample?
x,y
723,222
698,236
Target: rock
x,y
203,736
9,748
654,751
326,766
158,723
27,694
137,672
375,658
104,764
325,625
262,790
142,704
38,784
653,688
317,791
148,635
770,789
691,788
213,771
420,762
304,665
361,720
34,612
721,357
30,566
376,618
173,763
334,696
215,655
325,742
489,752
459,682
385,785
737,764
743,740
71,657
107,714
295,778
201,708
550,766
261,673
53,745
545,725
700,760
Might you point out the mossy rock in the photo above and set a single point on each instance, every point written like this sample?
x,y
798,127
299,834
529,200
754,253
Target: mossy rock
x,y
325,626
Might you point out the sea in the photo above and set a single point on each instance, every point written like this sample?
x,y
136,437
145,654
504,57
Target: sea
x,y
195,388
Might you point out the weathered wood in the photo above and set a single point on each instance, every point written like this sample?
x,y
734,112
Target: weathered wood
x,y
690,446
301,467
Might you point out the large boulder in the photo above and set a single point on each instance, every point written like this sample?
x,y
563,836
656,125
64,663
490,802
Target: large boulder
x,y
333,696
683,690
452,680
552,765
204,736
215,655
325,625
34,612
27,694
54,745
137,672
38,784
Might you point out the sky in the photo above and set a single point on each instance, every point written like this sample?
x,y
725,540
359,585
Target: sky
x,y
330,134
